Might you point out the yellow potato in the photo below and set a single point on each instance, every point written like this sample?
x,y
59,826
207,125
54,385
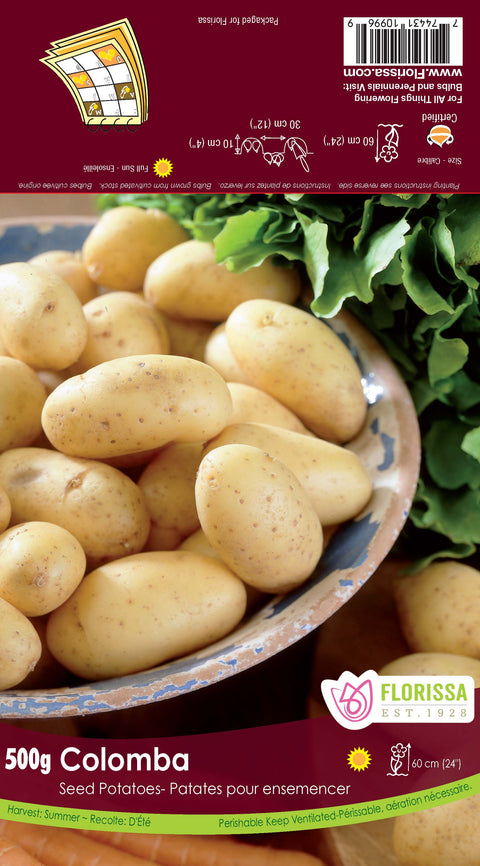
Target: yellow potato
x,y
250,404
186,282
168,484
256,514
3,348
140,611
121,324
47,673
22,396
334,478
135,404
198,542
20,646
439,609
187,337
103,508
298,359
220,356
40,566
5,509
71,268
42,321
434,664
123,243
446,835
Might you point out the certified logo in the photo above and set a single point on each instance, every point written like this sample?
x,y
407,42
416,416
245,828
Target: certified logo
x,y
440,135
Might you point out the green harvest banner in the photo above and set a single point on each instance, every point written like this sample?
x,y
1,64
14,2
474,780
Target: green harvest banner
x,y
265,822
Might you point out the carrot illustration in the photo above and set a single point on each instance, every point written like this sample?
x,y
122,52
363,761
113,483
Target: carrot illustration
x,y
13,855
56,846
167,850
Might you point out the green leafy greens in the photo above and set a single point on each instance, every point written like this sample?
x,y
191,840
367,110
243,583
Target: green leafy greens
x,y
408,267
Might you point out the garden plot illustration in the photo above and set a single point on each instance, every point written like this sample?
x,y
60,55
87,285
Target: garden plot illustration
x,y
295,145
104,71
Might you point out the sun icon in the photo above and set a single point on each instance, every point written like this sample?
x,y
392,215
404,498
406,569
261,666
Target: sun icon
x,y
359,759
162,167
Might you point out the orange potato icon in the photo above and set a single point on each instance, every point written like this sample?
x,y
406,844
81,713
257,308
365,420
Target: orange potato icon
x,y
440,135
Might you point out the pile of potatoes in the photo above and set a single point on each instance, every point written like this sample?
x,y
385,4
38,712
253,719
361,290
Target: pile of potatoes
x,y
173,445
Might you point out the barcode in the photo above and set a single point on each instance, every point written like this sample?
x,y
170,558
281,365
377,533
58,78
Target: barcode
x,y
398,41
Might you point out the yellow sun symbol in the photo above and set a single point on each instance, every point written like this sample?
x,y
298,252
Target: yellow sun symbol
x,y
359,759
163,167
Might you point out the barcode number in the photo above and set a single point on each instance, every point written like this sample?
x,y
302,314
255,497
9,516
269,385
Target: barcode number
x,y
403,41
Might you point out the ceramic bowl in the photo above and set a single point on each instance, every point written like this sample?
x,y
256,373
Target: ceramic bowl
x,y
389,444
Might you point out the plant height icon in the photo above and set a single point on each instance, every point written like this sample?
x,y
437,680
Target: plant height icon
x,y
387,142
400,760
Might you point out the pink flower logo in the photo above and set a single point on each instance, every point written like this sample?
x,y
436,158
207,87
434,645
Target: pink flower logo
x,y
354,702
350,699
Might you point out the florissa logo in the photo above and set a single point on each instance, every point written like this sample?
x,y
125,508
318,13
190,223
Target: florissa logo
x,y
356,702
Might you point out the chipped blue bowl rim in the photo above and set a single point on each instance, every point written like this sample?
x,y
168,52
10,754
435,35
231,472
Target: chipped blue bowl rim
x,y
389,444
